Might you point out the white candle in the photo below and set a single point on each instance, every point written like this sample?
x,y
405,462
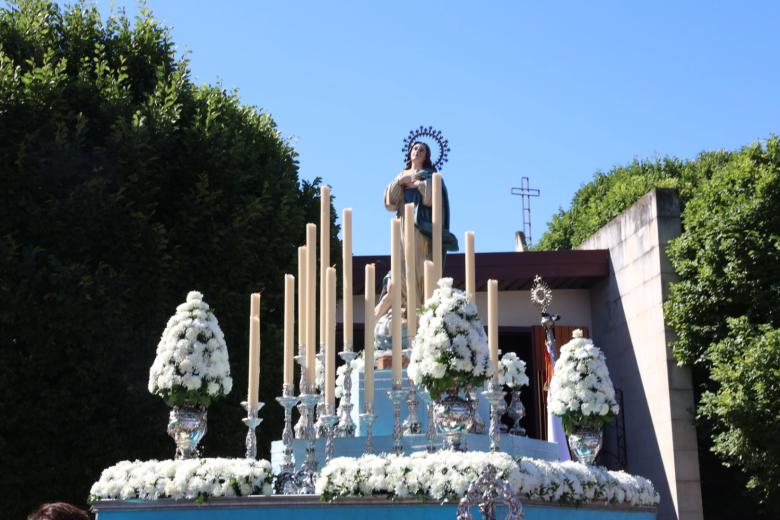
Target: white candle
x,y
254,350
289,328
428,282
492,290
311,303
330,340
470,278
324,255
368,350
395,297
301,301
411,275
346,261
437,227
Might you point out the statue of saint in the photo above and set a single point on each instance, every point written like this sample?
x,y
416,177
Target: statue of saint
x,y
415,184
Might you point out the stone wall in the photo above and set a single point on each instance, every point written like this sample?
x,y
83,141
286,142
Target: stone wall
x,y
628,324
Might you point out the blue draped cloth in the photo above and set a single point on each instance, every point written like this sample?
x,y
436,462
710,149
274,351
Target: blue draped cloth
x,y
423,215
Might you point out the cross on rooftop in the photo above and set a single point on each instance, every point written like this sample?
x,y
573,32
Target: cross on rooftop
x,y
526,193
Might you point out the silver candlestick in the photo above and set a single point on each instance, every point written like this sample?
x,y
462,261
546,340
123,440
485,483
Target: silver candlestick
x,y
319,427
397,395
368,418
300,426
346,427
252,421
430,433
288,401
411,423
307,475
494,394
329,421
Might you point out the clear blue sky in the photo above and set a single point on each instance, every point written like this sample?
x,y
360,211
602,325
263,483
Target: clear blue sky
x,y
552,91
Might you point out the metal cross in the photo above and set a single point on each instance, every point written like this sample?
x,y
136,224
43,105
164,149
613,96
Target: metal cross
x,y
525,200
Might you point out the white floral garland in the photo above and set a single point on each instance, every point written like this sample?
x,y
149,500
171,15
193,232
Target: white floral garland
x,y
511,371
581,390
191,367
445,475
183,479
450,349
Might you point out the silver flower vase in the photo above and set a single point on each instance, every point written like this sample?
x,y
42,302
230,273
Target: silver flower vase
x,y
516,412
187,426
586,443
454,416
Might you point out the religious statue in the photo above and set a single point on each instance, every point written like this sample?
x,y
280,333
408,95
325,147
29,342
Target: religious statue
x,y
414,184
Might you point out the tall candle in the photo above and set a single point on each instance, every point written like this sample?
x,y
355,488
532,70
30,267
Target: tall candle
x,y
346,261
411,274
254,350
289,326
437,227
368,349
311,303
324,255
492,290
330,340
429,282
395,296
301,300
470,291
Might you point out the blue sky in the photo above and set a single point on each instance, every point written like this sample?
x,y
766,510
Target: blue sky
x,y
551,91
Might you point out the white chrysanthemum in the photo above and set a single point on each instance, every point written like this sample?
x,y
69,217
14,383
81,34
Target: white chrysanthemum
x,y
191,366
511,371
446,475
451,343
581,390
183,479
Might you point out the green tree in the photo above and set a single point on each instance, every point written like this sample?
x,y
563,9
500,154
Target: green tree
x,y
124,186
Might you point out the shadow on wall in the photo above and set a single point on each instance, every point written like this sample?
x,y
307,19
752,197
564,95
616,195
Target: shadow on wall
x,y
611,334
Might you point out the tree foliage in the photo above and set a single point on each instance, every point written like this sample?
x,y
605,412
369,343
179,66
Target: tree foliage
x,y
124,186
728,262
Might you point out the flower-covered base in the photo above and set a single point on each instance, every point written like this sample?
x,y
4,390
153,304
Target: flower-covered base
x,y
183,479
445,475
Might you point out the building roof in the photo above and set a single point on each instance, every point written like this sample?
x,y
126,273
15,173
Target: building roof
x,y
573,269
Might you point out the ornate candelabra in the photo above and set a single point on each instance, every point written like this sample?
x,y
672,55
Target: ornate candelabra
x,y
308,472
368,418
477,425
300,426
494,394
346,427
252,421
396,394
285,482
329,420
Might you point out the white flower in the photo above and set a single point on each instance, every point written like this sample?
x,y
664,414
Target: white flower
x,y
191,351
183,479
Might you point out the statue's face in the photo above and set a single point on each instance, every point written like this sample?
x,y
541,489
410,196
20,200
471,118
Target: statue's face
x,y
418,154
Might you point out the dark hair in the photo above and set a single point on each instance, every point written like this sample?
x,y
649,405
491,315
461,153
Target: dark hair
x,y
58,511
426,163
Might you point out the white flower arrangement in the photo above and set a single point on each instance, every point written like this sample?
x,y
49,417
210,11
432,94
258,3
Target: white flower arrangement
x,y
581,391
450,349
445,475
511,371
195,479
191,367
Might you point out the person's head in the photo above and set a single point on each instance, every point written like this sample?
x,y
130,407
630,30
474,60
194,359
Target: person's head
x,y
58,511
419,153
